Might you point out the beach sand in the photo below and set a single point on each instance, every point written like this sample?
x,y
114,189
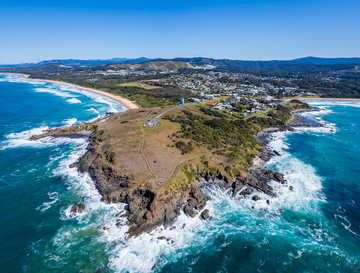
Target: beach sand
x,y
124,102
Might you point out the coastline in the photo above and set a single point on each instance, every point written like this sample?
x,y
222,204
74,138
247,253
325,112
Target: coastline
x,y
334,99
122,101
191,201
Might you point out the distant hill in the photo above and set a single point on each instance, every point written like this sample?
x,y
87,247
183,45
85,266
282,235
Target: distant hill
x,y
163,65
74,62
304,64
317,60
179,63
267,64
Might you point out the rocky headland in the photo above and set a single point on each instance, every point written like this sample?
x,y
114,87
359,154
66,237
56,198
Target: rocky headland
x,y
151,206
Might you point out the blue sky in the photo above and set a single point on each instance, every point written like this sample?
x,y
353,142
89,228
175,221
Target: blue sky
x,y
33,31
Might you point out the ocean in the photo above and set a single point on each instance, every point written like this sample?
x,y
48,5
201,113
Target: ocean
x,y
315,228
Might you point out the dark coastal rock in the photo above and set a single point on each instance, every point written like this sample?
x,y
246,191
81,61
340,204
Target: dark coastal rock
x,y
247,191
286,128
264,153
268,202
238,185
279,177
269,174
63,133
291,188
226,178
145,210
77,208
205,214
277,153
260,183
256,198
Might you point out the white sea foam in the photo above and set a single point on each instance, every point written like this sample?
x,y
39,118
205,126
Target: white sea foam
x,y
318,117
66,91
54,196
94,110
146,252
55,92
73,100
113,105
334,103
68,122
22,139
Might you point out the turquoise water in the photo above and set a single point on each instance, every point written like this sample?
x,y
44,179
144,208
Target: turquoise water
x,y
313,229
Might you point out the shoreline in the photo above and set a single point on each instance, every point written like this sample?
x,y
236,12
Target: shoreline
x,y
122,101
334,99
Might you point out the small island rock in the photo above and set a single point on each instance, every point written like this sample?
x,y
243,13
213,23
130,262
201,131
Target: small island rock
x,y
256,198
78,208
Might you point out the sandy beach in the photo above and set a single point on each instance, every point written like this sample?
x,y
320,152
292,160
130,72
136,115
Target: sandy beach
x,y
124,102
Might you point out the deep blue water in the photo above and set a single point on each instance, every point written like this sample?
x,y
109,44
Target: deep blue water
x,y
313,229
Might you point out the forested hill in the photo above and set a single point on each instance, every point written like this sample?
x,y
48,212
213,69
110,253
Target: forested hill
x,y
291,66
317,60
301,63
76,62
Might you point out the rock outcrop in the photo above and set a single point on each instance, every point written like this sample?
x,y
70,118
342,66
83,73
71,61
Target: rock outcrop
x,y
205,214
279,177
77,208
247,191
256,198
145,210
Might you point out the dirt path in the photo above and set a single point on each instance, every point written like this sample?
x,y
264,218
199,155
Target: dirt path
x,y
148,164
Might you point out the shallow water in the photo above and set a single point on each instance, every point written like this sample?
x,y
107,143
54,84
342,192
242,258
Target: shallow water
x,y
313,229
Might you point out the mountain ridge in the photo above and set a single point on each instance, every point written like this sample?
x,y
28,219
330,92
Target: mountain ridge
x,y
197,61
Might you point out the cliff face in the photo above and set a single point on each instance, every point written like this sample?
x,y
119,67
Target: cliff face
x,y
145,210
121,174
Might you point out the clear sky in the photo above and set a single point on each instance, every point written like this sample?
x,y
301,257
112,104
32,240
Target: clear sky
x,y
32,31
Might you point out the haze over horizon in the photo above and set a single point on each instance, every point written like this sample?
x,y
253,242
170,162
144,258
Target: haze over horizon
x,y
236,30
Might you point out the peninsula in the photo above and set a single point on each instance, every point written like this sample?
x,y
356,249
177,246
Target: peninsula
x,y
157,159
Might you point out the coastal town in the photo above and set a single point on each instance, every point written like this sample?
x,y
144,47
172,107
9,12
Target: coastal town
x,y
231,97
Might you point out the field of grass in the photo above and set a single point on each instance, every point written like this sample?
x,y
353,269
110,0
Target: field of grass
x,y
140,85
190,142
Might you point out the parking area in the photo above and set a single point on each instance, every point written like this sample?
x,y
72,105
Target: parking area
x,y
151,123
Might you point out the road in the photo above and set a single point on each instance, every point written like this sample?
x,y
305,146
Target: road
x,y
154,120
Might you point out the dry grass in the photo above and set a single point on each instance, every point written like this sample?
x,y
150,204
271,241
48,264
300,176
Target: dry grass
x,y
158,148
140,85
122,135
